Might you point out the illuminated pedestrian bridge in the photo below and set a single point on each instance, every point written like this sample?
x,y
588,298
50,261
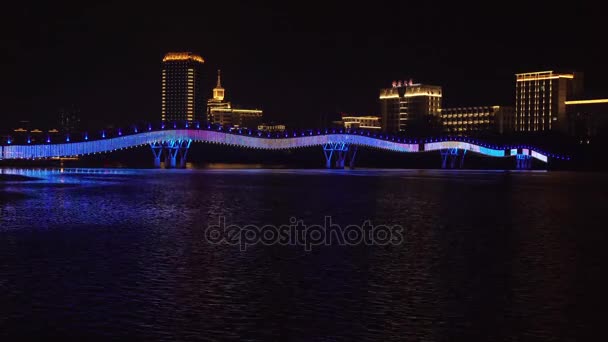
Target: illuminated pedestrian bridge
x,y
339,146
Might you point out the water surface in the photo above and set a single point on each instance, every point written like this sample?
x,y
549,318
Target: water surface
x,y
488,255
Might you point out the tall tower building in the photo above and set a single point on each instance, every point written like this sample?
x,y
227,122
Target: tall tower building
x,y
540,100
217,101
218,91
221,112
182,93
408,107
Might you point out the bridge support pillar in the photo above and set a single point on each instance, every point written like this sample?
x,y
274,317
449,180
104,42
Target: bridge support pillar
x,y
157,151
341,155
172,148
184,146
351,163
328,156
340,150
523,162
452,158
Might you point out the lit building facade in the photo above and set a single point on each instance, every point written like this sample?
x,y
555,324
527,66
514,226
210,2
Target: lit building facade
x,y
587,119
540,100
271,127
362,122
482,119
221,112
407,107
236,117
182,93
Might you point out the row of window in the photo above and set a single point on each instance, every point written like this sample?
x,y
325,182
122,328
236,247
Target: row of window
x,y
470,122
464,115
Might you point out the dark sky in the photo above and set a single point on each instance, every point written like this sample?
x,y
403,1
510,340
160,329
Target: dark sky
x,y
297,60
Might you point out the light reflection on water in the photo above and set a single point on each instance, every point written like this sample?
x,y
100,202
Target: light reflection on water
x,y
118,253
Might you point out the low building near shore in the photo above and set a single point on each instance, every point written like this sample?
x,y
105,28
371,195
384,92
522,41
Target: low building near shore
x,y
271,127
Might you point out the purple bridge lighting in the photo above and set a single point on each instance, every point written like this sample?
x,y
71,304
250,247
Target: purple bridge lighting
x,y
339,146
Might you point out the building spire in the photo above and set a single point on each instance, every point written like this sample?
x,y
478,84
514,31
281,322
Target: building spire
x,y
218,91
219,81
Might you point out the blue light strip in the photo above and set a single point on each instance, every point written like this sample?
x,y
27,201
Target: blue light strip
x,y
141,139
442,145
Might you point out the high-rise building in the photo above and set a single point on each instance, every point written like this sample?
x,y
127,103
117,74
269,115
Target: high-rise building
x,y
410,108
182,93
221,112
540,100
480,119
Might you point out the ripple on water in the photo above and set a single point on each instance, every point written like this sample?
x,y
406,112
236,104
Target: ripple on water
x,y
121,254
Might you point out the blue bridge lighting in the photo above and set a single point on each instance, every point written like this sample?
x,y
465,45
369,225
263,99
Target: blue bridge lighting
x,y
267,141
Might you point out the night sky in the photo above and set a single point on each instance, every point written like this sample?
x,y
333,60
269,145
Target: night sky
x,y
300,62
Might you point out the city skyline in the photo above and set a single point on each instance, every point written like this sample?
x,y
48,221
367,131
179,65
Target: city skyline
x,y
273,58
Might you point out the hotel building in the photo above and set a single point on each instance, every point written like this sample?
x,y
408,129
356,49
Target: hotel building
x,y
182,93
406,106
540,100
472,120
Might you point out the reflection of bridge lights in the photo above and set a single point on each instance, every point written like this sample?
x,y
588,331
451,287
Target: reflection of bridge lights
x,y
103,134
86,136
